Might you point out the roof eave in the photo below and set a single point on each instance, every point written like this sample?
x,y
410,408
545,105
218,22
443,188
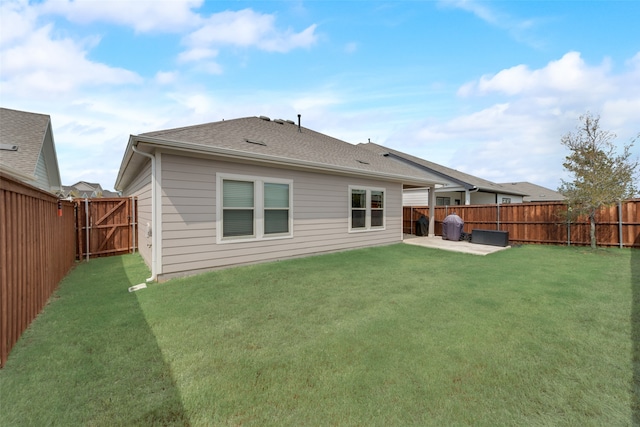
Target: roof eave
x,y
17,174
194,148
463,184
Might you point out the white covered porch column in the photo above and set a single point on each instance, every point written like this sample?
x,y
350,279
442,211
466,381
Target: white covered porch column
x,y
432,211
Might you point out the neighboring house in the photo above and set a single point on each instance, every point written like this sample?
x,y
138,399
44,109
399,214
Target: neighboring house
x,y
460,188
27,149
252,190
536,193
86,190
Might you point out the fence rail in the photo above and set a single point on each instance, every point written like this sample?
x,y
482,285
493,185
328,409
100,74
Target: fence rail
x,y
540,223
37,249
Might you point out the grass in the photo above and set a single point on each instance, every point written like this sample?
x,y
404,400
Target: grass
x,y
399,335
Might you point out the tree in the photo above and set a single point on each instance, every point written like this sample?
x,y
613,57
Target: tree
x,y
601,175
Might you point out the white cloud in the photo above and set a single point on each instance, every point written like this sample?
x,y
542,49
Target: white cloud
x,y
568,74
247,28
16,20
41,64
519,115
166,77
479,9
520,29
197,54
141,15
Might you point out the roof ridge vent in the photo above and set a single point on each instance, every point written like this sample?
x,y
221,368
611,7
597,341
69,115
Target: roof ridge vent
x,y
279,121
265,118
291,122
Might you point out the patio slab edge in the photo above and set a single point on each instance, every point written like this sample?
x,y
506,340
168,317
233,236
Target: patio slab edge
x,y
438,242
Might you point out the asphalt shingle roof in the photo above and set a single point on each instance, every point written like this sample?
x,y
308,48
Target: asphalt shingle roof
x,y
27,131
470,180
536,193
286,141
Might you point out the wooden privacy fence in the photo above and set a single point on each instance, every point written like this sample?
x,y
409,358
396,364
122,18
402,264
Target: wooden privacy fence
x,y
540,223
105,227
37,249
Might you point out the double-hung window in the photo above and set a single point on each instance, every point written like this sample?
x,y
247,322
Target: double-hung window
x,y
366,208
253,208
238,214
276,208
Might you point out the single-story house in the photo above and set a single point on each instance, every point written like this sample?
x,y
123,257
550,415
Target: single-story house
x,y
253,189
459,189
27,149
536,193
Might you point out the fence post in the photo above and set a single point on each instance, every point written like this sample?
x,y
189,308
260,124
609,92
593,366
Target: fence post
x,y
568,225
133,224
498,216
86,212
620,224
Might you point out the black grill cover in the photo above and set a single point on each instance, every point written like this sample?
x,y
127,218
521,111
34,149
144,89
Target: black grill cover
x,y
422,226
452,227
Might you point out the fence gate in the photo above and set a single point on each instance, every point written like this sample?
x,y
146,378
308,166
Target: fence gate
x,y
105,227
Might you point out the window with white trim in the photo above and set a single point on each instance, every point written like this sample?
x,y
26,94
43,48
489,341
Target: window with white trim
x,y
366,208
443,201
238,208
253,208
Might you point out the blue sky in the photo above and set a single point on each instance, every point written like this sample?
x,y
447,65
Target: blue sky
x,y
487,88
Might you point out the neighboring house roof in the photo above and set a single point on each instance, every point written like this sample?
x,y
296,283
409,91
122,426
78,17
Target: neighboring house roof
x,y
536,193
83,189
87,186
27,148
455,177
277,142
107,193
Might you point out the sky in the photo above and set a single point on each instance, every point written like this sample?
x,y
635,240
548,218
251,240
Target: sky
x,y
487,88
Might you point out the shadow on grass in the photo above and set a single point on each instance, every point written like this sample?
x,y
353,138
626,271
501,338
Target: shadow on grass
x,y
145,378
91,358
635,333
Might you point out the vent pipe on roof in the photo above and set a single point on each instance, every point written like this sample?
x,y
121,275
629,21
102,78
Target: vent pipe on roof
x,y
299,128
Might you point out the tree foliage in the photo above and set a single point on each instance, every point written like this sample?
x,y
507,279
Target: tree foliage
x,y
602,175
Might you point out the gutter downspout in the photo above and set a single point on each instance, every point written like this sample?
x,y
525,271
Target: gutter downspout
x,y
154,235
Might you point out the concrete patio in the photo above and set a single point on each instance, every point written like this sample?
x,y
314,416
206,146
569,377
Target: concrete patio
x,y
437,242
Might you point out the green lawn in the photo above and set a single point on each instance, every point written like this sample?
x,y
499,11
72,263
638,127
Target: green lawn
x,y
398,335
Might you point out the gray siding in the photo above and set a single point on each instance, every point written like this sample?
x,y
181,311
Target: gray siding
x,y
320,211
140,187
41,173
415,197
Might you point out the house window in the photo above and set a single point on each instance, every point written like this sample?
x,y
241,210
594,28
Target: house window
x,y
276,208
358,208
238,214
253,208
366,209
443,201
506,200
